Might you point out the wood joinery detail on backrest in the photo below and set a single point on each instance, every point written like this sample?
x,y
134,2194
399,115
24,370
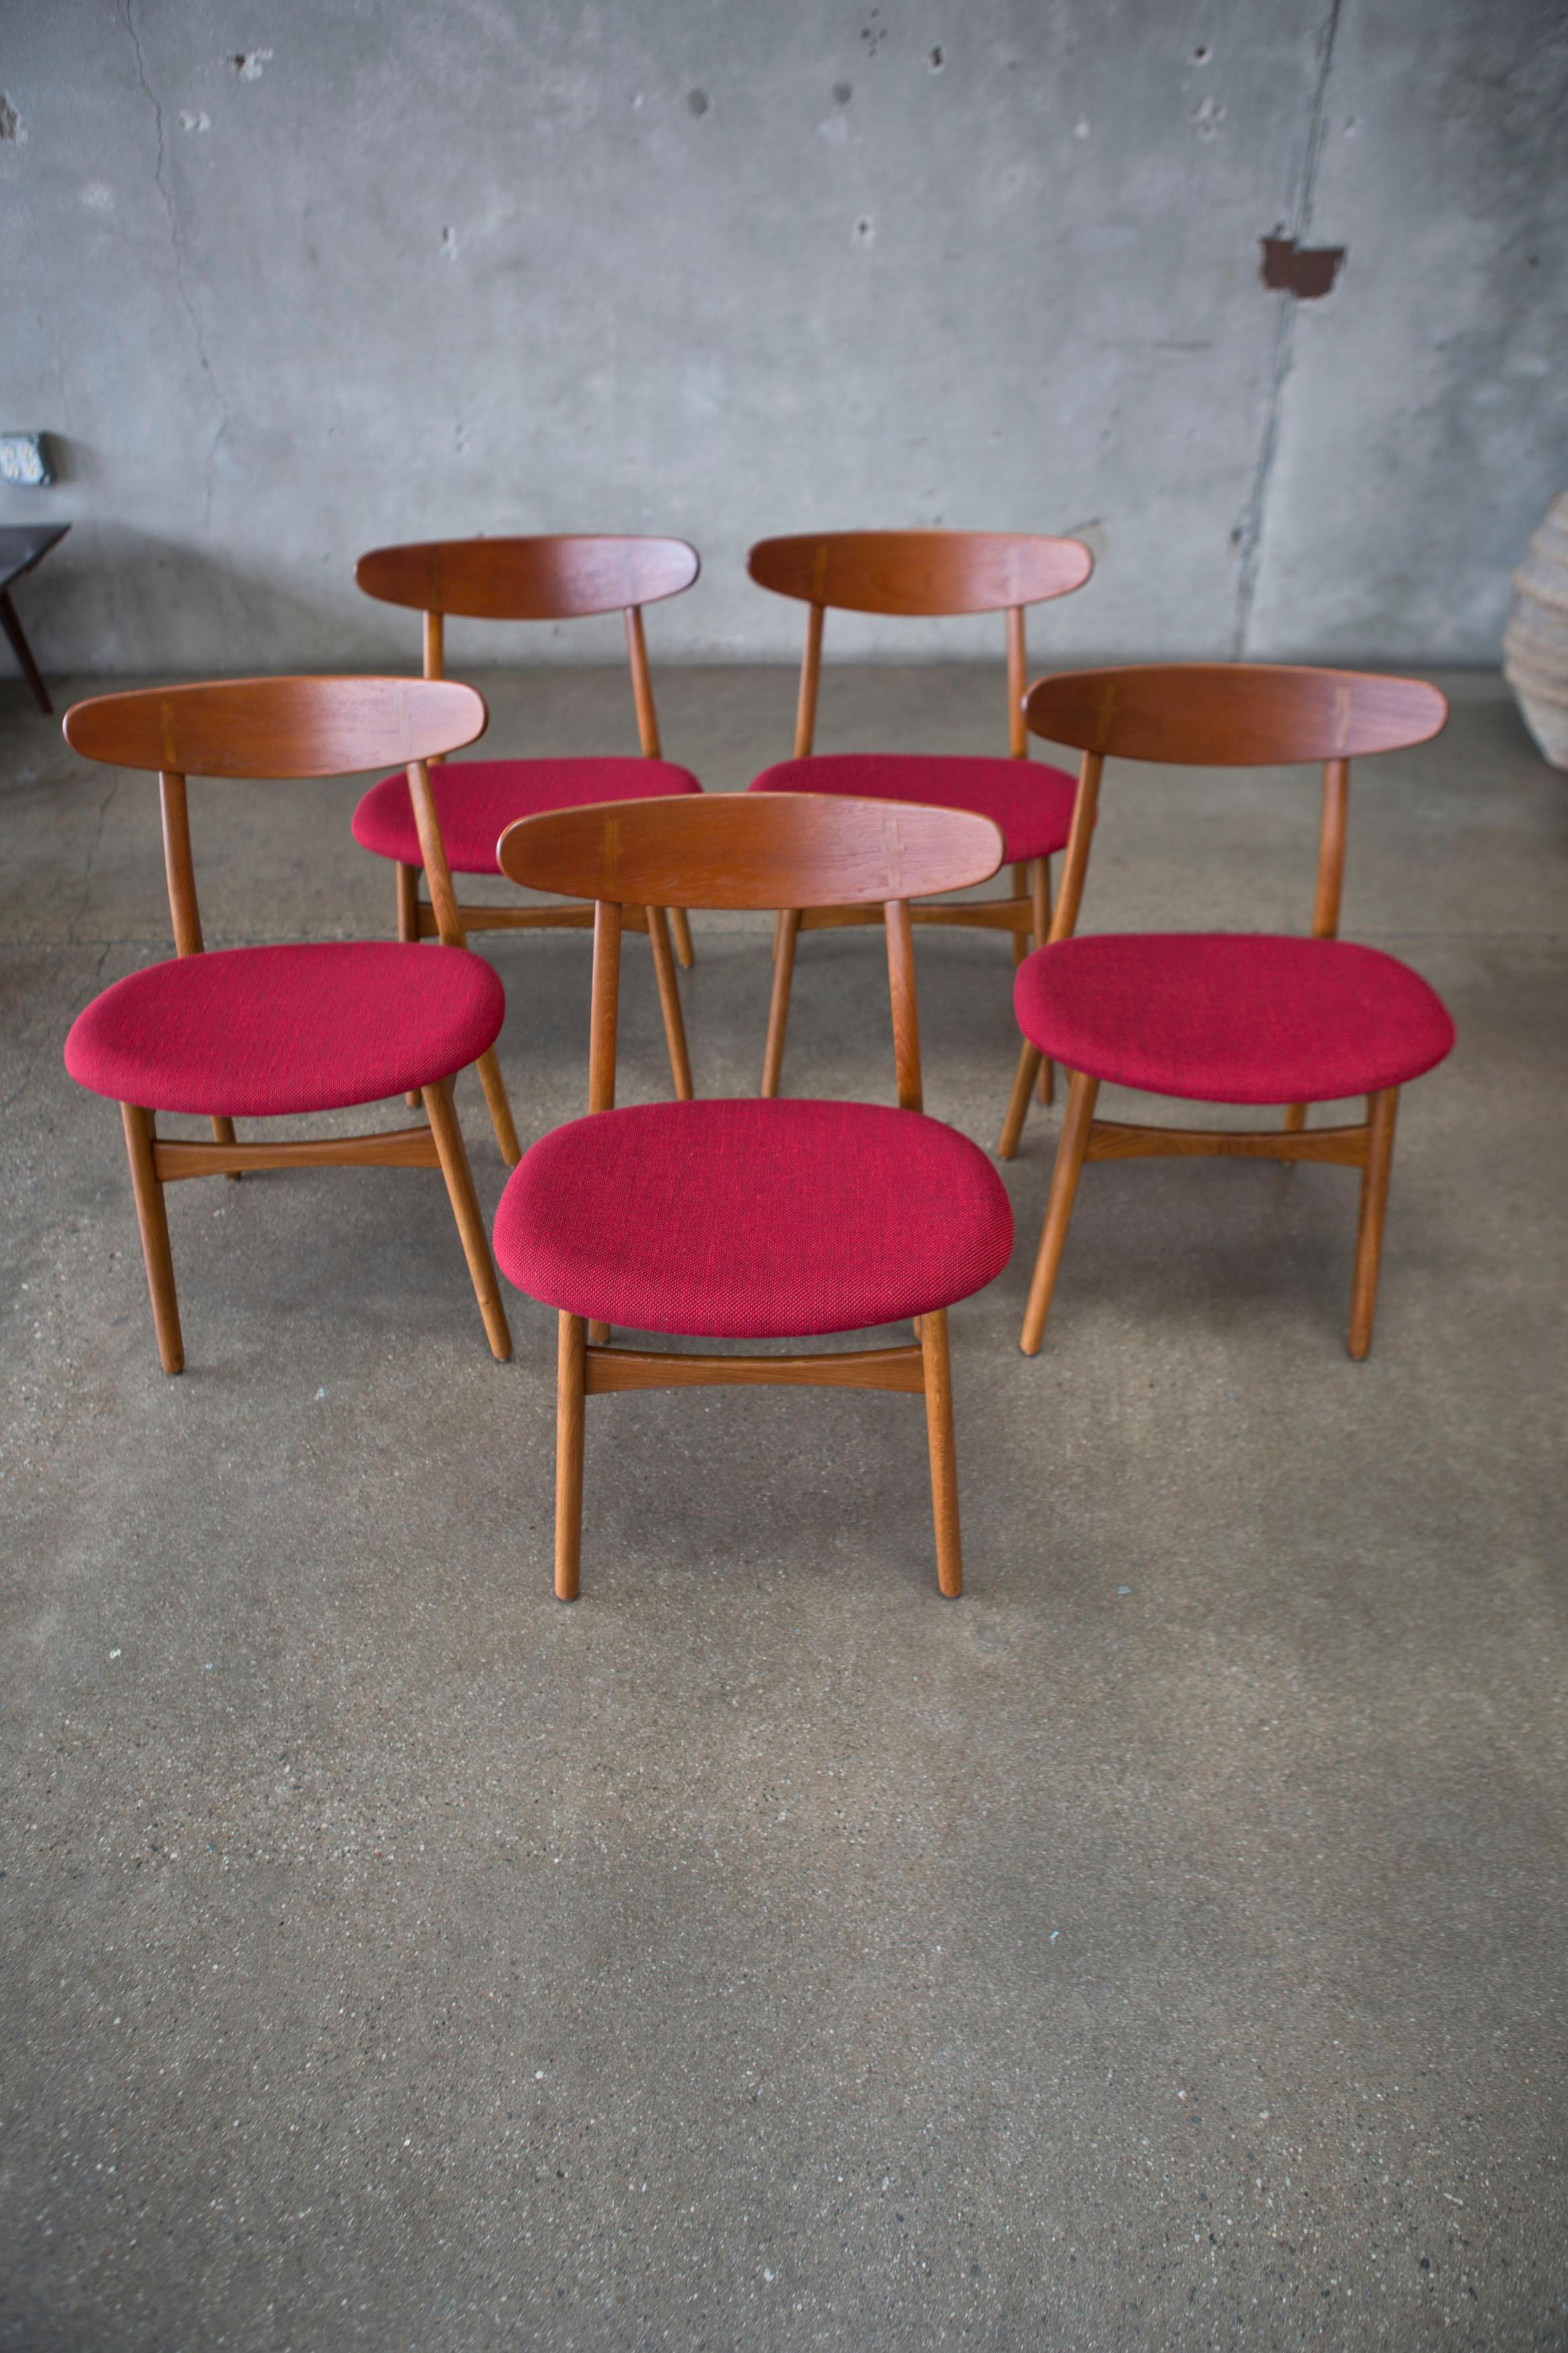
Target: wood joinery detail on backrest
x,y
260,729
919,574
1235,714
751,850
556,578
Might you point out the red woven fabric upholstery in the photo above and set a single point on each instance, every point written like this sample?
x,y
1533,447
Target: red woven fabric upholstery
x,y
1032,804
746,1219
1227,1017
250,1033
475,800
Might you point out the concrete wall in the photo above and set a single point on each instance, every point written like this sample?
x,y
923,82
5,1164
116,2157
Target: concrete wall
x,y
291,278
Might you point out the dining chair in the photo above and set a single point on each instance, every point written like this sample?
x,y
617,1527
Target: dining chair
x,y
553,577
283,1030
746,1219
1229,1016
922,573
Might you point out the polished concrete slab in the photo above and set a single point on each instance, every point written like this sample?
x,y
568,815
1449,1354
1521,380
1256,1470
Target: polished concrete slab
x,y
1162,1946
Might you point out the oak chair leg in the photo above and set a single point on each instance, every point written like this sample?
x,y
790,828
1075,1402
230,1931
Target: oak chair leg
x,y
569,1416
683,947
1040,891
1070,1152
1022,870
494,1085
157,1255
1029,1061
944,1456
466,1209
669,1003
599,1335
407,889
1295,1119
786,931
1382,1110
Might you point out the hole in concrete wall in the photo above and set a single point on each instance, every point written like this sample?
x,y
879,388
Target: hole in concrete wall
x,y
843,92
1202,54
936,58
697,101
865,229
1305,271
10,120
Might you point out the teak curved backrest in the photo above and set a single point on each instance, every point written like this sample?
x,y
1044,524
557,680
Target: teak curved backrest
x,y
915,573
559,577
1229,714
1233,715
751,849
278,726
275,727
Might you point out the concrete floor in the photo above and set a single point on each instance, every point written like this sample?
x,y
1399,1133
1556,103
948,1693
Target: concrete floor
x,y
1162,1946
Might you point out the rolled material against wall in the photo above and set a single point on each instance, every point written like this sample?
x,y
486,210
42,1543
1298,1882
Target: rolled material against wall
x,y
1535,642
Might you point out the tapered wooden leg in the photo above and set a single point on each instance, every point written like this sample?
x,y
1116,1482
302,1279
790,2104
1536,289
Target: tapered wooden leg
x,y
466,1209
683,947
568,1410
1295,1119
1029,1059
1040,890
1070,1151
1020,891
157,1255
669,1003
407,885
501,1109
1382,1111
932,1331
786,931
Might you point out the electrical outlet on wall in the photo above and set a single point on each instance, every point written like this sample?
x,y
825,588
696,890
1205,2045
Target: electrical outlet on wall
x,y
24,459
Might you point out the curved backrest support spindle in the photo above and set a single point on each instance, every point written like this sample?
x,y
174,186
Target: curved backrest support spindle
x,y
553,577
1233,715
278,727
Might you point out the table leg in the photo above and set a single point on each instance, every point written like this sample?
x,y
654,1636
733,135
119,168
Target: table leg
x,y
23,650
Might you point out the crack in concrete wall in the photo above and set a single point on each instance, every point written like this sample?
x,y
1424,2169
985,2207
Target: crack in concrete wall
x,y
1249,532
176,246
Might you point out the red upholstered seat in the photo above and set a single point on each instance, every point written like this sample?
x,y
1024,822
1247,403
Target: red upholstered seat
x,y
1227,1017
1032,803
751,1220
251,1033
478,799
